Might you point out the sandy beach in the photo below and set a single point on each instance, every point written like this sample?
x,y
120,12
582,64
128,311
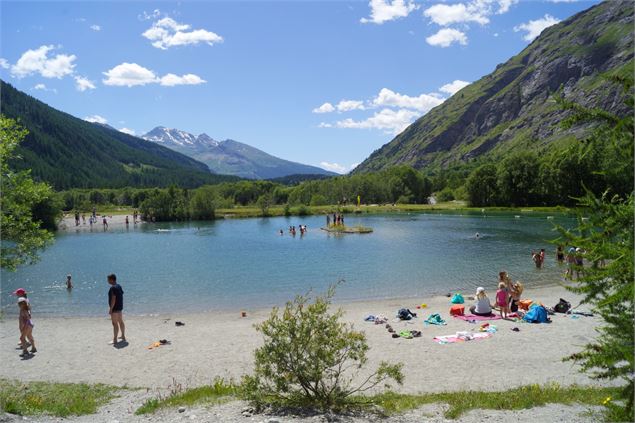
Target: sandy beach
x,y
115,221
221,344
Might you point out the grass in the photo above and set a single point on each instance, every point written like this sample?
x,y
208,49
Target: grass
x,y
514,399
220,391
349,229
57,399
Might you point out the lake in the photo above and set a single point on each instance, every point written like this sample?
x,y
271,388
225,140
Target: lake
x,y
238,264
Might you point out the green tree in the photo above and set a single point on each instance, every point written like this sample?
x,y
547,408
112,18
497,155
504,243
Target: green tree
x,y
24,204
518,181
310,358
481,186
203,203
264,202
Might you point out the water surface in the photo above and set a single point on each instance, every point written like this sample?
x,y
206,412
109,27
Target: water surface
x,y
245,263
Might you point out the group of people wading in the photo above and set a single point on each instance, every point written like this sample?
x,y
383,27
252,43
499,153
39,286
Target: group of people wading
x,y
338,219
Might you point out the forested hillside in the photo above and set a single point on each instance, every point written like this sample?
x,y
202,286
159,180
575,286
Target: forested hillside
x,y
69,152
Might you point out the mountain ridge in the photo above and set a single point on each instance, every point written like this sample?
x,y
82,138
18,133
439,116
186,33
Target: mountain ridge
x,y
229,156
511,108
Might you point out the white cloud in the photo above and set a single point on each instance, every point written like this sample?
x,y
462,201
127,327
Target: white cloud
x,y
446,37
422,103
453,86
96,119
535,27
83,83
156,13
40,87
37,62
477,11
129,75
166,33
324,108
170,80
127,131
4,64
446,14
388,120
348,105
387,10
334,167
325,125
95,27
132,74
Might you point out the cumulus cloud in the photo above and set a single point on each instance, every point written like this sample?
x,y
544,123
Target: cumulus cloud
x,y
387,10
166,33
96,119
446,37
334,167
325,125
95,27
348,105
82,83
477,11
535,27
132,74
170,80
4,64
388,120
38,62
453,86
422,103
324,108
43,87
127,131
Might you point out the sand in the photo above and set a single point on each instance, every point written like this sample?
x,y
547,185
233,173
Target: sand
x,y
222,344
115,222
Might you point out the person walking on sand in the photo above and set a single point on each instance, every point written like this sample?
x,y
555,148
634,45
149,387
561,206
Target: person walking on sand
x,y
115,309
105,223
26,328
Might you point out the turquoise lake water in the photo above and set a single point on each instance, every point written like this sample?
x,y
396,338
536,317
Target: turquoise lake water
x,y
245,263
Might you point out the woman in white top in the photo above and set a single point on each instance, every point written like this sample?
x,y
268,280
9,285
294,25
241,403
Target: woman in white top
x,y
482,307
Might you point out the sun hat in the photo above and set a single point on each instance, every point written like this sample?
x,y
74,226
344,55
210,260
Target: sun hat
x,y
480,289
21,300
19,292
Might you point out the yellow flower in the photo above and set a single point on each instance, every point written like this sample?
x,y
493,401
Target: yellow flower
x,y
606,401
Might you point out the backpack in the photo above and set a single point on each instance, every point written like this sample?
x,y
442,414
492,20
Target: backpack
x,y
457,299
457,310
537,314
405,314
562,307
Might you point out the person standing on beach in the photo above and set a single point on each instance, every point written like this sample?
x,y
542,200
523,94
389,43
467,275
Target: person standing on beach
x,y
26,328
105,223
115,304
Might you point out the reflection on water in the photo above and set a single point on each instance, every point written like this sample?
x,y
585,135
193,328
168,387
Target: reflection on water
x,y
245,263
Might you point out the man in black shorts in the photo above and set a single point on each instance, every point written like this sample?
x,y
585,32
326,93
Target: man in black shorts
x,y
115,304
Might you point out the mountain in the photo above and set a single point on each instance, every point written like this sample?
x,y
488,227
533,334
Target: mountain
x,y
69,152
229,157
512,108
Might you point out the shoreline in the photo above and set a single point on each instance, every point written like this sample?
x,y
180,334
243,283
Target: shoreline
x,y
221,344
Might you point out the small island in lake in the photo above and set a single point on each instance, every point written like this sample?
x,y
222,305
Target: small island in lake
x,y
342,229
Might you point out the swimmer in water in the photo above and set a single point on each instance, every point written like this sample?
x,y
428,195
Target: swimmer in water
x,y
477,235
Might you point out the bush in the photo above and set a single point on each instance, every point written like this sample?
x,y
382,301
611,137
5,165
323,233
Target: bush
x,y
287,210
303,211
311,359
446,194
318,200
203,204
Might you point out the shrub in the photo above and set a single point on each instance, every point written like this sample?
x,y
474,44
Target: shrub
x,y
287,210
303,210
311,359
446,194
318,200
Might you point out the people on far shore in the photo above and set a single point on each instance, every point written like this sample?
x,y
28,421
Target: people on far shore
x,y
105,222
115,309
482,306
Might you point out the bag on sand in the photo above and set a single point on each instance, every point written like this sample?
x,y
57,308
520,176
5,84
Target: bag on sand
x,y
457,299
457,310
405,314
537,314
562,307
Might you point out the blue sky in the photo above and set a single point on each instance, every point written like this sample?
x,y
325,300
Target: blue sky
x,y
323,83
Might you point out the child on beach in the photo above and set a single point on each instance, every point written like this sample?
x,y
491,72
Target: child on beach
x,y
502,296
26,327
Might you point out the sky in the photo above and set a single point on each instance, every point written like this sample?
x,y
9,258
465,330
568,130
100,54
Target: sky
x,y
318,82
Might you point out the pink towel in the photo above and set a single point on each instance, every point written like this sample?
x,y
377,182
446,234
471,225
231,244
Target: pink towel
x,y
451,339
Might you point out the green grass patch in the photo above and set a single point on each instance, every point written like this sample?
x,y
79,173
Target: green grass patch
x,y
220,391
57,399
514,399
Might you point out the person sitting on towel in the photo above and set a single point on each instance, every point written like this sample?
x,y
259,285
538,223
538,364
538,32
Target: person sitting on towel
x,y
482,307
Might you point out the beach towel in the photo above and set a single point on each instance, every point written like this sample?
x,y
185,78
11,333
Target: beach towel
x,y
537,314
461,337
435,319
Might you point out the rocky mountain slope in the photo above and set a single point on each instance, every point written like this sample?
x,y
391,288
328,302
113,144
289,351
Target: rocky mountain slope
x,y
229,157
69,152
512,108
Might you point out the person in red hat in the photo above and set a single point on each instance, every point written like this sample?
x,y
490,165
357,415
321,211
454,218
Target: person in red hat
x,y
21,293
